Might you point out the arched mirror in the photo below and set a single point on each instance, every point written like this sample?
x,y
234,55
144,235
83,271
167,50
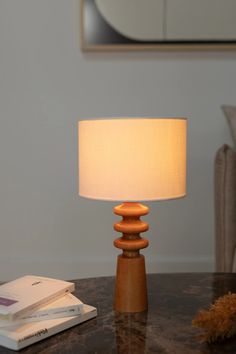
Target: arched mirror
x,y
158,24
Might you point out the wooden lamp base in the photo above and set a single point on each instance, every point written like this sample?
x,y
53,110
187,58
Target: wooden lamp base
x,y
131,288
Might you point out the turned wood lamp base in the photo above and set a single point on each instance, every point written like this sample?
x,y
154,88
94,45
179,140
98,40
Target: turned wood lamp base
x,y
131,288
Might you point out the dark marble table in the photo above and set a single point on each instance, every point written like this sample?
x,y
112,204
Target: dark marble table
x,y
164,329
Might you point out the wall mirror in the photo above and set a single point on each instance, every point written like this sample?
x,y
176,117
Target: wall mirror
x,y
158,24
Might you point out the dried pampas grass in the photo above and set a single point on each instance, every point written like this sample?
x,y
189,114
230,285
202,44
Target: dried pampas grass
x,y
219,322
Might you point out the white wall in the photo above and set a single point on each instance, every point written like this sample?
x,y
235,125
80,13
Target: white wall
x,y
46,85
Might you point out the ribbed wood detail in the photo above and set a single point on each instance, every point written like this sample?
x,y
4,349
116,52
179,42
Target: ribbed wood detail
x,y
131,290
131,226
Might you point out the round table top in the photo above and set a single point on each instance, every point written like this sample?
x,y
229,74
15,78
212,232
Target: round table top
x,y
165,328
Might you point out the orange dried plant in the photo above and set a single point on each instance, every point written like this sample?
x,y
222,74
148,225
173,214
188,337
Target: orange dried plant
x,y
219,322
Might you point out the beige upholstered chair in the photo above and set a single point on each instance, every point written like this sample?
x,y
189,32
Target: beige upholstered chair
x,y
225,200
225,208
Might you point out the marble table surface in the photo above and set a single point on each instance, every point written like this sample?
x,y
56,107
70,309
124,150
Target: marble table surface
x,y
164,329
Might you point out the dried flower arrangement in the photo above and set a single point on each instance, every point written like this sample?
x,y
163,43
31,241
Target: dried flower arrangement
x,y
219,322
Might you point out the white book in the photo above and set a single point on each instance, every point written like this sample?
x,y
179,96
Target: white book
x,y
66,306
26,294
18,337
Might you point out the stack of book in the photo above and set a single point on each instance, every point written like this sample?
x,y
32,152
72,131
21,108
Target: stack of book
x,y
33,308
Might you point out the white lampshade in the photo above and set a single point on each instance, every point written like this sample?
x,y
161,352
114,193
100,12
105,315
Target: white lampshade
x,y
132,159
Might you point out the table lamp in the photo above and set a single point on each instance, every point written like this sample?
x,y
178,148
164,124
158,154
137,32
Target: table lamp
x,y
132,160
